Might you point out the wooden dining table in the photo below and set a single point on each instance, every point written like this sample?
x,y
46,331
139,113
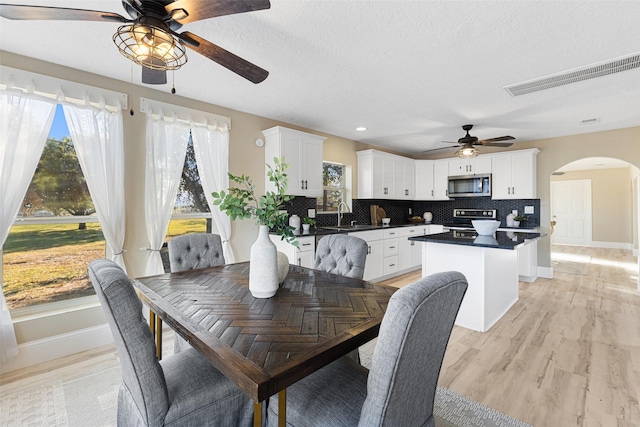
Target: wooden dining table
x,y
264,345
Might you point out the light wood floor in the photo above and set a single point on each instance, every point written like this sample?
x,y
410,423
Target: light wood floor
x,y
566,354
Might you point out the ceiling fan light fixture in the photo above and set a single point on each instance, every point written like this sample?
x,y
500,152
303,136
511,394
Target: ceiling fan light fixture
x,y
150,46
467,152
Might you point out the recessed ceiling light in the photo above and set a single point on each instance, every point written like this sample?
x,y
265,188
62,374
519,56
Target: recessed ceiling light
x,y
361,129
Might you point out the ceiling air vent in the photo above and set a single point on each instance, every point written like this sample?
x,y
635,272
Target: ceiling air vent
x,y
587,72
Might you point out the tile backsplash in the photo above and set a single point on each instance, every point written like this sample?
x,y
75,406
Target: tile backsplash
x,y
400,210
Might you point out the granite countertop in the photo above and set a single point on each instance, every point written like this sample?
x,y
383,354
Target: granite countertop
x,y
502,239
333,229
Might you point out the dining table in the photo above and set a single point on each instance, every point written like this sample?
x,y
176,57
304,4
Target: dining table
x,y
264,345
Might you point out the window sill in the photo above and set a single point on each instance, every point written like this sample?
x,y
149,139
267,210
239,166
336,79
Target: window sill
x,y
53,308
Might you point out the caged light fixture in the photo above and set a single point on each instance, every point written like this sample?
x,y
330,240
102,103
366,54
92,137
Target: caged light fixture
x,y
467,152
151,46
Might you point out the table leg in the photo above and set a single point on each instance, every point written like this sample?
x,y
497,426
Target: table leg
x,y
158,337
282,408
257,414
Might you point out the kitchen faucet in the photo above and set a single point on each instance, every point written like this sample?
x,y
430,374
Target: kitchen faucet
x,y
340,213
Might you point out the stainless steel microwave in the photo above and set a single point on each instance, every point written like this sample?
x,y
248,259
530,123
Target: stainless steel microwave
x,y
469,186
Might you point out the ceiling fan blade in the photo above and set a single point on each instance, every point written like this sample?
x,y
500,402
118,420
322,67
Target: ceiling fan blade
x,y
498,144
500,138
450,142
438,149
21,12
240,66
204,9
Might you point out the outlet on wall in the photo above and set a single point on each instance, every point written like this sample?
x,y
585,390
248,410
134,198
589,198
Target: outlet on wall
x,y
311,213
529,210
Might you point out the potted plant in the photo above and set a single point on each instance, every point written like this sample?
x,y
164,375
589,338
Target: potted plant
x,y
307,222
242,202
520,218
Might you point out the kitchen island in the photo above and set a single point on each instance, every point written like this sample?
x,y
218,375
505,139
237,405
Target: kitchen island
x,y
490,264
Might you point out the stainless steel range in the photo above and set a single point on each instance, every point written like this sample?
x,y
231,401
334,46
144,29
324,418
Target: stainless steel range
x,y
462,217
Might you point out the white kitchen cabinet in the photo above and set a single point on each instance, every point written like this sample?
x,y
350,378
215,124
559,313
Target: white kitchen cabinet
x,y
303,255
514,174
303,152
431,179
409,251
405,178
473,166
374,266
385,176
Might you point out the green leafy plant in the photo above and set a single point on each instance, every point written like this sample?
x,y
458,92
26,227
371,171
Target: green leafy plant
x,y
520,218
242,202
309,221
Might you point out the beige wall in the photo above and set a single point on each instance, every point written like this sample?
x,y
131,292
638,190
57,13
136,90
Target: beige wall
x,y
611,202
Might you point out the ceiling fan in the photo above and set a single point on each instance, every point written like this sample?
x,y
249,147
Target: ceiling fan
x,y
467,143
149,37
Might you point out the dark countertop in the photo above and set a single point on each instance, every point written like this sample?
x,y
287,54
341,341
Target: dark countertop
x,y
502,240
323,231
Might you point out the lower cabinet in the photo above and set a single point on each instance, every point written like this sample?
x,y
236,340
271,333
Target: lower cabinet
x,y
304,255
374,266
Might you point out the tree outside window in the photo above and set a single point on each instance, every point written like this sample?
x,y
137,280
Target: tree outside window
x,y
334,187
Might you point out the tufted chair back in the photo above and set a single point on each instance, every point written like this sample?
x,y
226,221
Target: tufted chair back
x,y
195,250
343,255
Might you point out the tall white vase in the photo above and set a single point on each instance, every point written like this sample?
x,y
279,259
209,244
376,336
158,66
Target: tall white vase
x,y
263,266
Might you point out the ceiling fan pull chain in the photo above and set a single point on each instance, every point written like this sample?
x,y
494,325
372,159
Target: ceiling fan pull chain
x,y
173,82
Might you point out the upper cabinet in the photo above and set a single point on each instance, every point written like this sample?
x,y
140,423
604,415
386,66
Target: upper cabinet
x,y
385,176
514,174
303,152
431,179
473,166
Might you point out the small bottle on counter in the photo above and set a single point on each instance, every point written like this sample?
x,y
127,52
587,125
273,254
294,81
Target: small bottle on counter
x,y
294,221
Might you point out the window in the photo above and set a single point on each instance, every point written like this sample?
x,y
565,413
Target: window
x,y
56,233
334,190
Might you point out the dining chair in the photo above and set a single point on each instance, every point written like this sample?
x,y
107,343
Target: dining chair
x,y
188,252
400,388
342,255
183,390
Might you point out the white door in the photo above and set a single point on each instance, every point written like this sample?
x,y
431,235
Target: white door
x,y
571,210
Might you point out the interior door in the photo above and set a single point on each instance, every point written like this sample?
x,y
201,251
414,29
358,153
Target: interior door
x,y
571,210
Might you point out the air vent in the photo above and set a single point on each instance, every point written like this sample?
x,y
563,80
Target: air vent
x,y
600,69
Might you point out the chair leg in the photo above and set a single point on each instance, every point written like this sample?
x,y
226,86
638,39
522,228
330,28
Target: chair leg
x,y
155,324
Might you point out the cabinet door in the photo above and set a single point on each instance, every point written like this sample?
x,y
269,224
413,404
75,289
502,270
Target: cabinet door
x,y
377,178
440,180
306,259
291,150
415,252
311,168
480,165
404,253
388,177
523,176
459,167
501,177
373,267
409,178
424,180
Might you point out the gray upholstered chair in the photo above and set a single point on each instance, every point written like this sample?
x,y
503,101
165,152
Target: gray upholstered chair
x,y
341,254
400,388
182,390
195,250
191,251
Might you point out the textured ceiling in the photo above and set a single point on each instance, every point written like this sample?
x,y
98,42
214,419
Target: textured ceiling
x,y
412,72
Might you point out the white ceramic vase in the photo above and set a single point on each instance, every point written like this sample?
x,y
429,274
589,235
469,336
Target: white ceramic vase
x,y
263,266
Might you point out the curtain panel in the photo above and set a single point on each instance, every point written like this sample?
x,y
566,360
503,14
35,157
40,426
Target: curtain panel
x,y
166,142
98,137
25,120
211,146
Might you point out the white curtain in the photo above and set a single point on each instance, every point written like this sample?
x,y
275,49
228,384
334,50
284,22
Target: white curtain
x,y
97,136
211,146
166,149
25,121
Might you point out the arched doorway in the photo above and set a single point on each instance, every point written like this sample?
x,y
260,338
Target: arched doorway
x,y
594,203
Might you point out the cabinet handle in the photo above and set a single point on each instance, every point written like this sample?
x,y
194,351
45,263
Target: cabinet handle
x,y
300,262
406,192
306,244
368,249
431,193
306,184
391,265
386,190
413,243
302,184
513,190
392,247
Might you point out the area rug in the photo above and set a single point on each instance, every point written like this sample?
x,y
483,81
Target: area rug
x,y
90,399
570,263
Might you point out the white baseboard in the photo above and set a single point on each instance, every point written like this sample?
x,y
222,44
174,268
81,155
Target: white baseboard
x,y
545,272
50,348
612,245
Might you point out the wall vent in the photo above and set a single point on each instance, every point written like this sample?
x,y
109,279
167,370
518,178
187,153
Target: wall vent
x,y
611,66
